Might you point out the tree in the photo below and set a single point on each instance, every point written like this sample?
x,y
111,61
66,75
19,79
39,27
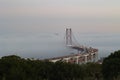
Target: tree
x,y
111,65
94,70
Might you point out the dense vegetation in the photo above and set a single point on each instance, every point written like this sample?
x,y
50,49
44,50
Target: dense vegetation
x,y
111,66
17,68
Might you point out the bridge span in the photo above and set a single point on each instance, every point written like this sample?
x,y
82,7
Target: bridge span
x,y
84,55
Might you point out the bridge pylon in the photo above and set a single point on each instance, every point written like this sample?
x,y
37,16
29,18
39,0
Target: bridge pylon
x,y
68,37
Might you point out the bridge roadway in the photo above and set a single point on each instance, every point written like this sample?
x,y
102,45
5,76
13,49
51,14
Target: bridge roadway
x,y
82,49
77,48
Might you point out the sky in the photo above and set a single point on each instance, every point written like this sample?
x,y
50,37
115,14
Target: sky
x,y
37,15
25,23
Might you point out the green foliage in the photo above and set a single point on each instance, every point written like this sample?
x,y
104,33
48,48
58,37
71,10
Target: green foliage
x,y
111,65
16,68
94,70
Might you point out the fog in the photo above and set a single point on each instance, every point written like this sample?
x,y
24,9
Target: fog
x,y
47,45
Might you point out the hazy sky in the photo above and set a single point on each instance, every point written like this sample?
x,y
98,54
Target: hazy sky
x,y
29,26
46,15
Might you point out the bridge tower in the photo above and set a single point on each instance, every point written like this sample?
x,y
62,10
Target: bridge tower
x,y
68,37
69,41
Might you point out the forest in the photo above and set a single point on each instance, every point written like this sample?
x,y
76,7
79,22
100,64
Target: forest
x,y
13,67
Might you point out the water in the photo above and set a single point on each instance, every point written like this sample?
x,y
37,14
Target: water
x,y
106,43
46,45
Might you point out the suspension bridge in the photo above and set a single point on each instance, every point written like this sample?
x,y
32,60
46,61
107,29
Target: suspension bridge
x,y
84,54
75,45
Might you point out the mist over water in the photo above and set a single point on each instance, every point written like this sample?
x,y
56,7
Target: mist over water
x,y
47,45
106,43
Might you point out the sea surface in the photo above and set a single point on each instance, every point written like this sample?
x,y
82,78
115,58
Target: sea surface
x,y
48,45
